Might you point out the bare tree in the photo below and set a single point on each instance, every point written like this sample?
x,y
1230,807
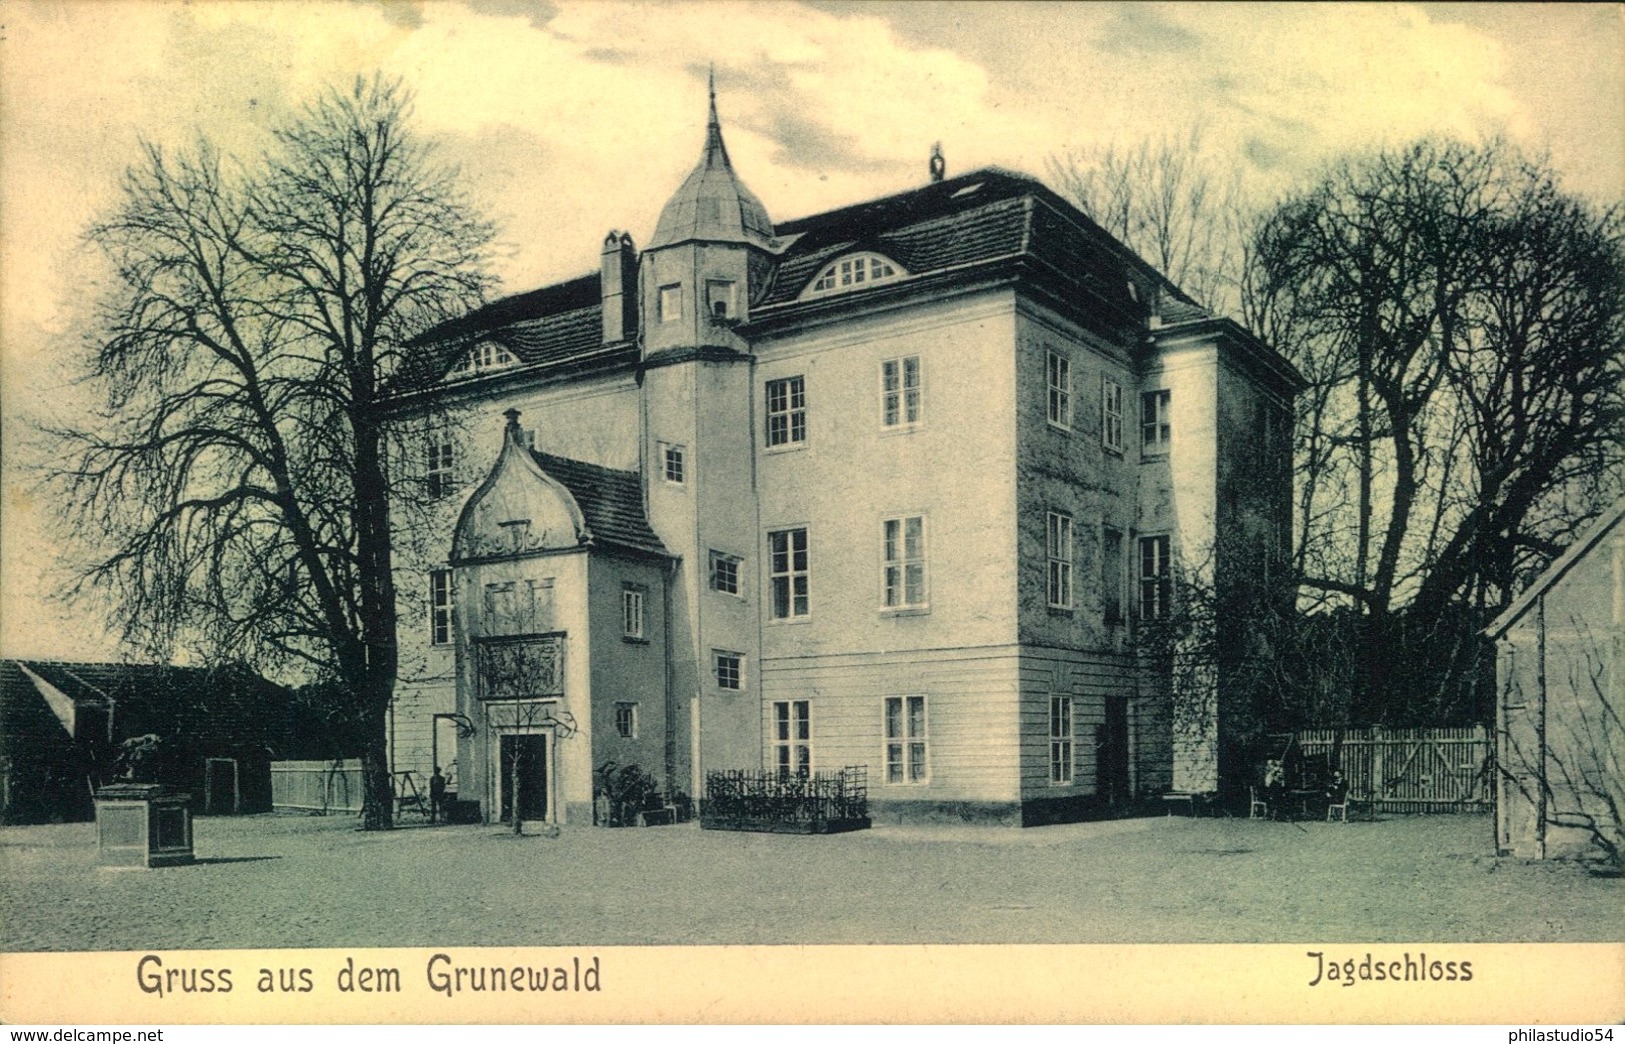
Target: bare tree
x,y
1460,322
234,493
1171,201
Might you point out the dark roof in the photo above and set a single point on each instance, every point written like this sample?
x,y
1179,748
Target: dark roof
x,y
26,720
611,501
220,705
554,324
981,218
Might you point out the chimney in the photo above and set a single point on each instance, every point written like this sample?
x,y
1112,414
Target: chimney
x,y
619,282
938,165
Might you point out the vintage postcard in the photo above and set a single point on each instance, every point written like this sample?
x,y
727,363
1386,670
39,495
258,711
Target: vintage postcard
x,y
536,512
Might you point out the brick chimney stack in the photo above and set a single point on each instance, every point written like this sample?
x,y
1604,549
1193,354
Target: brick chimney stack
x,y
619,283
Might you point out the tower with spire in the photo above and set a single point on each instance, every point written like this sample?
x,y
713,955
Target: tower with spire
x,y
710,253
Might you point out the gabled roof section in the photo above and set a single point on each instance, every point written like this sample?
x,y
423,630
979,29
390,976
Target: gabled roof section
x,y
1557,570
611,501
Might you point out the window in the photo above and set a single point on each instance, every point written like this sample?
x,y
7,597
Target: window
x,y
786,411
719,298
1058,548
905,739
438,477
1060,739
724,573
853,272
900,392
440,607
632,598
626,720
671,302
903,549
1059,371
1111,414
788,572
1111,575
1155,578
671,463
482,357
730,668
1156,434
792,737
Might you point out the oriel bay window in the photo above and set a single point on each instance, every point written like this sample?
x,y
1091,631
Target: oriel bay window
x,y
792,737
905,739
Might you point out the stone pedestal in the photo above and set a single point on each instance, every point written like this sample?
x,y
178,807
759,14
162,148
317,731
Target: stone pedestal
x,y
143,824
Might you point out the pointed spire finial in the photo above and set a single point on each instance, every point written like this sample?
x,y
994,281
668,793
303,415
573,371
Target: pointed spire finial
x,y
711,86
716,153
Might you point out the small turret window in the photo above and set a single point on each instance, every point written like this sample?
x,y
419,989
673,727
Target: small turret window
x,y
487,355
854,272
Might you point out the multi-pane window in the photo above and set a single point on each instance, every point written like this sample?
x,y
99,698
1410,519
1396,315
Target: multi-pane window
x,y
786,411
730,669
1060,739
724,573
1156,431
484,356
1111,414
1058,549
632,611
900,392
440,607
1058,370
788,572
1111,574
903,554
671,302
437,478
1155,578
626,720
672,464
905,739
853,272
792,737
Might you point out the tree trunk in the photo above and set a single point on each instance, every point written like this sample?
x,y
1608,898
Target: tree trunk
x,y
377,791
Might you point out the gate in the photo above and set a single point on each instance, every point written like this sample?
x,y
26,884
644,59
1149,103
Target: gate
x,y
1412,770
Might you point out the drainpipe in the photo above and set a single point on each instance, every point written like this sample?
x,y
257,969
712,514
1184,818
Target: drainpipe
x,y
1540,726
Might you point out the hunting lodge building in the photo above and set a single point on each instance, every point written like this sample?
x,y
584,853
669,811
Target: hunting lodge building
x,y
899,485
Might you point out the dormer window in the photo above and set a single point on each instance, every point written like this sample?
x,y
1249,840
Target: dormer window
x,y
854,272
484,357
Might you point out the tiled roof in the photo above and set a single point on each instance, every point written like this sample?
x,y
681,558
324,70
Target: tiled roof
x,y
611,500
551,325
979,218
231,705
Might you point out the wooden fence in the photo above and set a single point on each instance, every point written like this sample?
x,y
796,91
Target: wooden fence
x,y
316,786
1413,770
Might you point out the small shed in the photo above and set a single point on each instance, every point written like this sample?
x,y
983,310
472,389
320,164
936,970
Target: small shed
x,y
1560,744
62,724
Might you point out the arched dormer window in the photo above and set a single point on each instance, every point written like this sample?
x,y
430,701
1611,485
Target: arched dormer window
x,y
853,272
483,358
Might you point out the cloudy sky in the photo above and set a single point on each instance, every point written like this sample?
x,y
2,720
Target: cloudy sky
x,y
572,118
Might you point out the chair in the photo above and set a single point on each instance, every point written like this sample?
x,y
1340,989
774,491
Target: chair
x,y
1337,805
1257,807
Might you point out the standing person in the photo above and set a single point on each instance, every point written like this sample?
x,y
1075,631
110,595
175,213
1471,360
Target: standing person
x,y
437,794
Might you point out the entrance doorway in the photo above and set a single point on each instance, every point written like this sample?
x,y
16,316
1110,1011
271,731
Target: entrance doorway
x,y
1111,753
524,755
222,794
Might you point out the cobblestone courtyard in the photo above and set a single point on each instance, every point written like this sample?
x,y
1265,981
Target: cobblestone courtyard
x,y
284,881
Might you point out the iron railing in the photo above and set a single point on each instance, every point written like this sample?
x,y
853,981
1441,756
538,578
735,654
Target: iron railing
x,y
788,798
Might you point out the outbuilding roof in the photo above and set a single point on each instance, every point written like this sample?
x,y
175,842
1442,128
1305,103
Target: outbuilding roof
x,y
1557,570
